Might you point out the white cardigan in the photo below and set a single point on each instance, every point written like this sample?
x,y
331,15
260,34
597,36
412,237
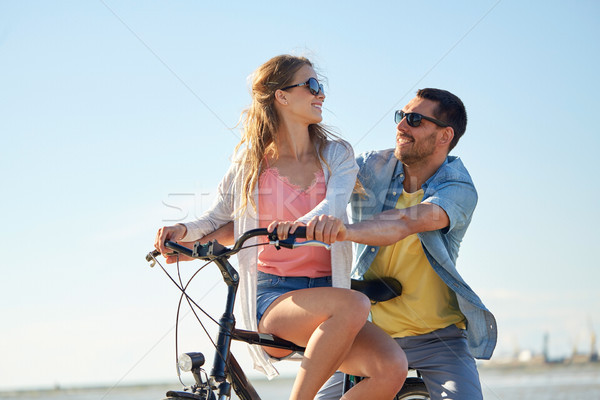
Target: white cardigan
x,y
340,183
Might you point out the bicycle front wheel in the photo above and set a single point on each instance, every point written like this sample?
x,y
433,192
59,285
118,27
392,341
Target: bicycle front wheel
x,y
413,389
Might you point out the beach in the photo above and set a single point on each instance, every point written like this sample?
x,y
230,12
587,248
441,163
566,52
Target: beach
x,y
543,382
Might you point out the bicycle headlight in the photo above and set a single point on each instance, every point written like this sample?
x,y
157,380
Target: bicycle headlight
x,y
189,361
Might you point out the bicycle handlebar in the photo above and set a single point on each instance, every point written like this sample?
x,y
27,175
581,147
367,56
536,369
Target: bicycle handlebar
x,y
289,243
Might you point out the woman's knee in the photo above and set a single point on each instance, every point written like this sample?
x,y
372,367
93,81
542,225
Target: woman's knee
x,y
399,365
355,308
392,362
358,304
393,370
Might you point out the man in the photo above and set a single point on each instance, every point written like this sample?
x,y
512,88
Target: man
x,y
418,206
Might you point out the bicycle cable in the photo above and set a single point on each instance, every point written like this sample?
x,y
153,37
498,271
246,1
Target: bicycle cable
x,y
191,301
193,311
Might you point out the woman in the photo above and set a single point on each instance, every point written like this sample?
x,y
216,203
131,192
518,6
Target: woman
x,y
287,168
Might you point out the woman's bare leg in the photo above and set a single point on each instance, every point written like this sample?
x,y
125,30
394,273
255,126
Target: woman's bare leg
x,y
377,357
326,322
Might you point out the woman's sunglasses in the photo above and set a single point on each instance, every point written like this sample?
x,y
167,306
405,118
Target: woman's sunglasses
x,y
414,119
313,86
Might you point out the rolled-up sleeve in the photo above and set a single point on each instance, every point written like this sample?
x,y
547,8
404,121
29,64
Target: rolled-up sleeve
x,y
458,199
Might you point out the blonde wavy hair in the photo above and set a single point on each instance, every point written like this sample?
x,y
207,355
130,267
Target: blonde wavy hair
x,y
260,122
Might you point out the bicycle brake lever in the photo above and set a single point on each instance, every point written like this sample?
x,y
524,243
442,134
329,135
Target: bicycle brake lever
x,y
312,243
150,258
290,243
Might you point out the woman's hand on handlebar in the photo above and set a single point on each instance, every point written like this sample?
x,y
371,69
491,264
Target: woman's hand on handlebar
x,y
224,235
326,228
284,228
172,233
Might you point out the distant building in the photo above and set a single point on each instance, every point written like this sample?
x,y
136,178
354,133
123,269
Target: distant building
x,y
594,349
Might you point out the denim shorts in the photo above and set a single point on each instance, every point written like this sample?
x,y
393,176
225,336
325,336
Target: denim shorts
x,y
270,287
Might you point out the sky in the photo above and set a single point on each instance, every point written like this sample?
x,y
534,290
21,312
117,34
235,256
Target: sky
x,y
119,117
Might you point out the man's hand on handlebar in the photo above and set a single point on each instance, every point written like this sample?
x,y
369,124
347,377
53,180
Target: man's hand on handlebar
x,y
326,228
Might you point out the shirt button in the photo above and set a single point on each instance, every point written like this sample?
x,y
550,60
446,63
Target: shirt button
x,y
394,193
401,175
372,249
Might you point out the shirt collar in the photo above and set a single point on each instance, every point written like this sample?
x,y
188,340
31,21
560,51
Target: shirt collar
x,y
428,181
399,170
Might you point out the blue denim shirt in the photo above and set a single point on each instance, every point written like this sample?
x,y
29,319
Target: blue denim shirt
x,y
451,188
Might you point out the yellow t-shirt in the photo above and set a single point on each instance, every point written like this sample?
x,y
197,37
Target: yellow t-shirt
x,y
426,303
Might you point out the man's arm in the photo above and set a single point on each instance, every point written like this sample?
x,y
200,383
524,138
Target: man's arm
x,y
394,225
384,229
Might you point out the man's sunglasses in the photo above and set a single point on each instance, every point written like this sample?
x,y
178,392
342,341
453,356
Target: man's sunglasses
x,y
414,119
313,86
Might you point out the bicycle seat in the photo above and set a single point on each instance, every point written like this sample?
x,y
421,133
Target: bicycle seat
x,y
382,289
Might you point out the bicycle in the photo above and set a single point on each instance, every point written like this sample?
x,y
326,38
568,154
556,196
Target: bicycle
x,y
226,373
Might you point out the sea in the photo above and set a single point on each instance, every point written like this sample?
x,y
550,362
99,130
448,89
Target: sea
x,y
543,382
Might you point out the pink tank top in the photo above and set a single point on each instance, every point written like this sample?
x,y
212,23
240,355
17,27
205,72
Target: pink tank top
x,y
278,199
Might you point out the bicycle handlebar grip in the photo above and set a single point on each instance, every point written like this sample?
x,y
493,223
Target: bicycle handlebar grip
x,y
300,232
